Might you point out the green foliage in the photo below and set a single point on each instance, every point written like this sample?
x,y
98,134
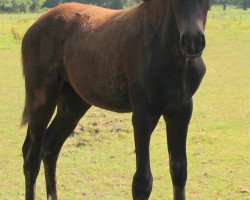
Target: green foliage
x,y
20,5
36,4
51,3
239,3
14,5
115,4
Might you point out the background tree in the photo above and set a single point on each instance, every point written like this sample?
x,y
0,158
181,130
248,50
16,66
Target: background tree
x,y
239,3
15,5
36,5
245,4
5,5
51,3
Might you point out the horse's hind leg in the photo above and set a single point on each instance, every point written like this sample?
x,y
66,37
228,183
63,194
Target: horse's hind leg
x,y
39,116
26,145
70,109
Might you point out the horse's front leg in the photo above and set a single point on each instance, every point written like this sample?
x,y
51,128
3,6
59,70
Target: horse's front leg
x,y
144,124
177,126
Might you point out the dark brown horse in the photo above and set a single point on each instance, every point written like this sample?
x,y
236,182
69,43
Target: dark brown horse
x,y
144,60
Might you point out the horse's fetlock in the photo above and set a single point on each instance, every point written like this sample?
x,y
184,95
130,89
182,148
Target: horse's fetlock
x,y
142,186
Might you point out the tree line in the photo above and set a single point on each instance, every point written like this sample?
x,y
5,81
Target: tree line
x,y
245,4
21,5
35,5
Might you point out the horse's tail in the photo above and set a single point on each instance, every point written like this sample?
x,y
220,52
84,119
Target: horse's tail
x,y
28,72
25,115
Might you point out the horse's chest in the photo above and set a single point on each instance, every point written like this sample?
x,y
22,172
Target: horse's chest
x,y
175,92
171,91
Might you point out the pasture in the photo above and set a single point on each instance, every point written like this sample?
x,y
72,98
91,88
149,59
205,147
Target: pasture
x,y
98,160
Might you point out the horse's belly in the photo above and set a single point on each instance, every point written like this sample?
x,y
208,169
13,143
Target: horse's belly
x,y
101,89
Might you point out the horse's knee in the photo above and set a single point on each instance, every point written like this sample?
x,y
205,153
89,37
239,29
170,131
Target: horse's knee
x,y
142,187
178,170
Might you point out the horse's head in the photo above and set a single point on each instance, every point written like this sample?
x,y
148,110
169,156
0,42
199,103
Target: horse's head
x,y
191,18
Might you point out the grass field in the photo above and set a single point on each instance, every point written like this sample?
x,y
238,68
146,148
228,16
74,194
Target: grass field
x,y
98,161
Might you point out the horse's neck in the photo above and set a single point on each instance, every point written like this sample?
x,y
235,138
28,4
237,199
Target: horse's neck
x,y
161,16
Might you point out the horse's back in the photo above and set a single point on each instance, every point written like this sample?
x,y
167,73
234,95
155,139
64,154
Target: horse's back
x,y
58,21
44,41
46,37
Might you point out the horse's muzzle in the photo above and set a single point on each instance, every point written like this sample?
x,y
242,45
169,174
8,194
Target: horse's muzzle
x,y
192,45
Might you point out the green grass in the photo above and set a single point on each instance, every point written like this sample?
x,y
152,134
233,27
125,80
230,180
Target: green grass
x,y
98,162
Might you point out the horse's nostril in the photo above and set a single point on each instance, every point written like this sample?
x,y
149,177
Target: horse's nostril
x,y
192,44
